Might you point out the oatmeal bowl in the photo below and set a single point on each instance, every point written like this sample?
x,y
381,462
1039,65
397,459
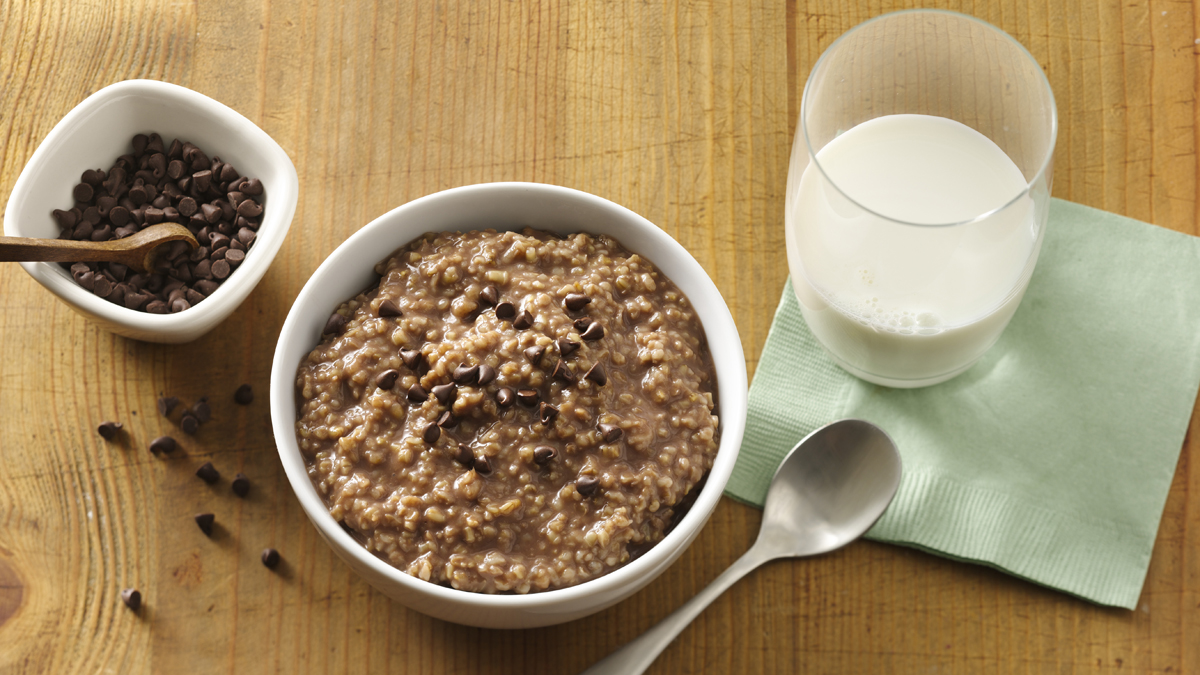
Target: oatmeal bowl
x,y
509,405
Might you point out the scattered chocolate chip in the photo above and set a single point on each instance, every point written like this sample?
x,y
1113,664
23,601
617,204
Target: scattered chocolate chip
x,y
547,413
389,308
587,485
417,394
534,353
566,347
333,326
528,397
447,420
610,432
563,373
593,332
132,598
205,521
163,444
464,455
240,485
505,397
543,454
431,434
489,295
465,375
505,311
166,404
483,465
387,379
575,302
596,375
109,430
201,410
208,473
189,424
270,558
412,358
524,321
445,393
244,395
486,375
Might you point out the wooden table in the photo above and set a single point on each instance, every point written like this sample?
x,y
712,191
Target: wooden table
x,y
682,112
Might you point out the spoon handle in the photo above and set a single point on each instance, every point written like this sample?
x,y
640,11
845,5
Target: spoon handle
x,y
21,249
635,657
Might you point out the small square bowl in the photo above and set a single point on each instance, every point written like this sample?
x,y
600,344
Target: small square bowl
x,y
93,135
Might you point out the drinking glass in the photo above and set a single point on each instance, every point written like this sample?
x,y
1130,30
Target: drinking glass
x,y
917,193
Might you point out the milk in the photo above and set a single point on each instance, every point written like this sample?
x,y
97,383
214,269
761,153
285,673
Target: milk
x,y
917,302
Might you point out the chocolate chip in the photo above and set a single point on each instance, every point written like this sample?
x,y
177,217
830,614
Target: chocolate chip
x,y
388,308
208,473
109,430
489,295
483,465
587,485
447,420
132,598
83,192
563,373
201,410
240,485
249,209
205,521
202,180
431,434
543,454
163,444
387,379
596,375
505,397
417,394
593,332
505,311
244,395
610,432
334,325
466,375
547,413
566,347
528,397
534,353
464,455
524,321
270,558
575,302
189,424
221,270
486,375
412,358
445,393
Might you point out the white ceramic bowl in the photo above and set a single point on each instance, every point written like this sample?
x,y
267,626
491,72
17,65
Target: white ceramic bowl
x,y
349,269
93,135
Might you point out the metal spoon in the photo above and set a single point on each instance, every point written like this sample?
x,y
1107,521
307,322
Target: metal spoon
x,y
830,489
138,251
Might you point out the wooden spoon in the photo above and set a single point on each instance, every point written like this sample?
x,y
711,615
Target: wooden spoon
x,y
139,251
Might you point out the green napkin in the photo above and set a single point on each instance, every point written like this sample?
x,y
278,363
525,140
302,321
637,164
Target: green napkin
x,y
1051,458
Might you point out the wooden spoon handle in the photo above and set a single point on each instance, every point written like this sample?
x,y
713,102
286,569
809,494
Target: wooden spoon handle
x,y
21,249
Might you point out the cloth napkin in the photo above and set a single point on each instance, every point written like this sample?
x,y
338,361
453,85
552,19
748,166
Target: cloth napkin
x,y
1051,458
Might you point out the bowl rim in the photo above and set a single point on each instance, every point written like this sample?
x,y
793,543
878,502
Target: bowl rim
x,y
273,230
732,390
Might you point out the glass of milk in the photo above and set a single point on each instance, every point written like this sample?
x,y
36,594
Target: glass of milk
x,y
917,193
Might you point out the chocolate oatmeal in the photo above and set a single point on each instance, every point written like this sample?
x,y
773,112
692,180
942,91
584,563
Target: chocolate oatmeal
x,y
509,411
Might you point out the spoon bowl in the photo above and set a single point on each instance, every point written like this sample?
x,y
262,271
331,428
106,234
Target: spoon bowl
x,y
829,490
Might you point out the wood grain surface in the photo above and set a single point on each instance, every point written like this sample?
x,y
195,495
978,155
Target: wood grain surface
x,y
683,112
